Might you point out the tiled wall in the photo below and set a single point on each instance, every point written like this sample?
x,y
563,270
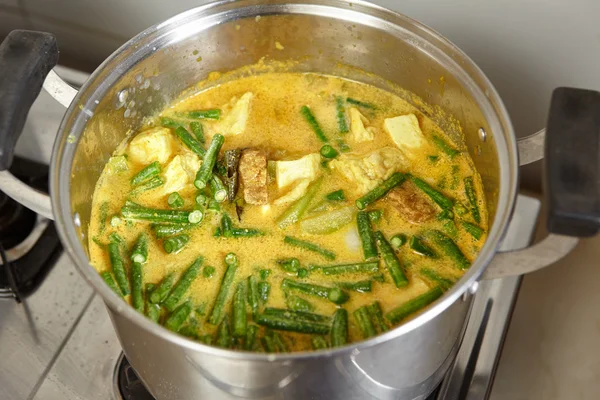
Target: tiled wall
x,y
527,47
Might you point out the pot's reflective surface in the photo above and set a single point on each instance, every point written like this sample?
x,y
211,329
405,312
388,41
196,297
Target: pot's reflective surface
x,y
155,67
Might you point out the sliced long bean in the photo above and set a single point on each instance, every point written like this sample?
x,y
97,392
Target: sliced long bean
x,y
183,284
366,235
218,188
139,253
170,122
150,184
398,240
339,328
250,340
118,267
162,231
175,200
158,215
377,317
442,282
419,247
274,322
437,197
208,162
146,173
380,190
226,225
291,265
108,279
160,293
246,232
232,162
319,343
337,195
303,244
253,294
226,282
341,114
445,147
174,244
369,267
375,215
211,113
137,294
294,212
360,286
188,140
328,151
391,260
239,318
198,131
312,121
472,229
178,317
296,303
413,305
360,103
363,320
153,312
264,288
224,334
335,295
296,315
449,248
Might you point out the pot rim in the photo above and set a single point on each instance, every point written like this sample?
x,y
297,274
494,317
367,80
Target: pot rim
x,y
488,99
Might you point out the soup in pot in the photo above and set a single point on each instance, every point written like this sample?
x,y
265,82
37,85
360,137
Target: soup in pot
x,y
286,212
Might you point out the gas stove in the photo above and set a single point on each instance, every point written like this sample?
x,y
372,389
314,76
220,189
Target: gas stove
x,y
58,343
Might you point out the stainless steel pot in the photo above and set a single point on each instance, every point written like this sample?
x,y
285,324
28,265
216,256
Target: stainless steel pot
x,y
155,67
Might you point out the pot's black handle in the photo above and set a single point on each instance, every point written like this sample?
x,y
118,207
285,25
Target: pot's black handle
x,y
26,58
572,162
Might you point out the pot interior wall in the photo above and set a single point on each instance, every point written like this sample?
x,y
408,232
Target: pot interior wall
x,y
144,76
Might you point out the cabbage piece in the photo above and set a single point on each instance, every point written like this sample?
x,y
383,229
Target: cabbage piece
x,y
406,133
294,194
180,172
305,168
329,221
234,121
151,145
368,171
357,127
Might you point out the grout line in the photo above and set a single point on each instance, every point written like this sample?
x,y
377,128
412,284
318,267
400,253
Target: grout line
x,y
50,365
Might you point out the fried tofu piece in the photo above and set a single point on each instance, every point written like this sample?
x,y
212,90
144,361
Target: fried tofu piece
x,y
253,176
412,205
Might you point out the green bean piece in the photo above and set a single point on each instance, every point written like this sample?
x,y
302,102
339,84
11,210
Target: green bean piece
x,y
150,184
108,279
366,235
421,248
339,328
201,200
250,340
291,265
178,317
442,282
263,290
115,221
391,261
211,113
319,343
377,317
175,244
472,229
103,215
217,311
208,271
195,217
206,339
398,240
253,294
380,190
369,267
360,103
118,267
137,295
330,255
188,140
450,228
208,162
341,115
149,288
296,303
115,237
363,320
375,215
153,312
132,204
160,293
224,339
300,326
378,277
157,215
294,212
264,274
328,151
183,284
162,231
245,232
449,248
337,295
360,286
455,177
150,171
190,329
312,121
175,200
218,188
226,225
413,305
460,209
337,195
437,197
433,159
239,318
302,273
198,131
445,214
232,162
139,253
269,343
169,123
296,315
445,147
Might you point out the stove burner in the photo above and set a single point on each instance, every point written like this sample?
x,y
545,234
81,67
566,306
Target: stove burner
x,y
16,222
127,385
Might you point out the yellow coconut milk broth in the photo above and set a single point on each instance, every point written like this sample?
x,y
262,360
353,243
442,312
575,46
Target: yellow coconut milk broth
x,y
276,126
